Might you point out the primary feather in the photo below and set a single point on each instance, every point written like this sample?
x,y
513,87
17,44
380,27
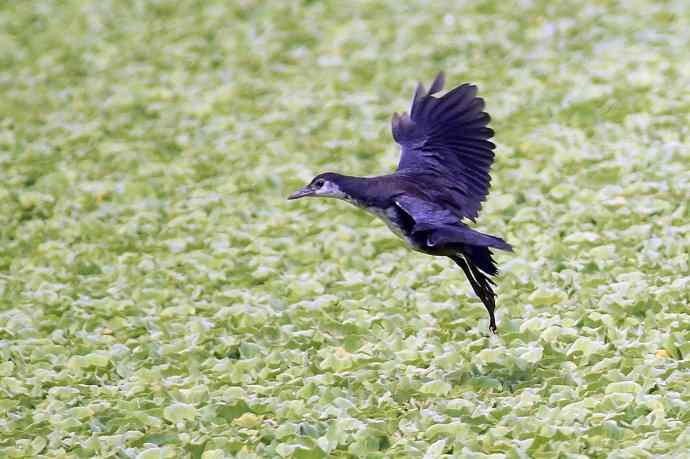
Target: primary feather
x,y
446,138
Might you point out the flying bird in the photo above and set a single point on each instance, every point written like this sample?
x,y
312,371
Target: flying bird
x,y
442,179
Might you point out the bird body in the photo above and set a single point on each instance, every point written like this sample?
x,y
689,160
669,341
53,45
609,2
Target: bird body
x,y
442,178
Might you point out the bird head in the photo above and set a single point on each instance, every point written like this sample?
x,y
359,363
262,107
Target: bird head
x,y
326,185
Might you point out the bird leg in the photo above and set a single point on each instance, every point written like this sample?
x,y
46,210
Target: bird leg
x,y
481,286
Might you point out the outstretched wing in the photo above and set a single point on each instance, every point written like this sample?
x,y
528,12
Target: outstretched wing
x,y
447,137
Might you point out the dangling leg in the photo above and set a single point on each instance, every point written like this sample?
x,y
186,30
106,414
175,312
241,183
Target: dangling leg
x,y
481,284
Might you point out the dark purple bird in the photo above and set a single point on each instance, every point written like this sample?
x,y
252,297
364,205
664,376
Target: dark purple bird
x,y
442,178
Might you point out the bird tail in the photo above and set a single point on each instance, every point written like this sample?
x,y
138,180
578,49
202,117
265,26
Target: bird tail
x,y
453,235
478,265
487,240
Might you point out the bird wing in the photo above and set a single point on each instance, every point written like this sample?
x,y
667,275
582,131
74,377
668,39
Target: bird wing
x,y
446,138
426,215
442,226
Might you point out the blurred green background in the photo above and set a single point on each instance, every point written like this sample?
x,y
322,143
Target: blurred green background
x,y
160,298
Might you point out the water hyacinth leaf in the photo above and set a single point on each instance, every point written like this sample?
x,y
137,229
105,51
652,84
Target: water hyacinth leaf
x,y
489,356
435,388
179,412
247,420
151,453
435,449
213,454
546,297
586,346
453,429
532,355
584,236
623,387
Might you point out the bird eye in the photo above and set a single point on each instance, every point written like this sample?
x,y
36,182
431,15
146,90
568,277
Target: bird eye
x,y
318,183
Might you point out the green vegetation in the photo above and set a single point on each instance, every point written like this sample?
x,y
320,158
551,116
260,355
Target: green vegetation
x,y
159,297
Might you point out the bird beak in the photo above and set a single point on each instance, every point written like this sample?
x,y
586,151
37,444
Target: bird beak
x,y
306,191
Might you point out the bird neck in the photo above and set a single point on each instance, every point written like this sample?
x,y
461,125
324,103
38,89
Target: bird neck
x,y
356,189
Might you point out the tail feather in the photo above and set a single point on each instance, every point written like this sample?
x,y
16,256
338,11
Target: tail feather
x,y
460,234
482,258
480,281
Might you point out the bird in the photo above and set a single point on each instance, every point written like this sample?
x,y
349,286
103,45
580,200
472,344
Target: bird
x,y
442,179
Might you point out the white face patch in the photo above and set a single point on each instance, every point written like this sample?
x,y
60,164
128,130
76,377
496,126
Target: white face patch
x,y
329,190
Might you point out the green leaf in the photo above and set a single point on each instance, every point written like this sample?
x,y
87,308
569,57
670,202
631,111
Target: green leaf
x,y
623,387
179,412
435,388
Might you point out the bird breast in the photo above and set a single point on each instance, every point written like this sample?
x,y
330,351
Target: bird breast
x,y
390,216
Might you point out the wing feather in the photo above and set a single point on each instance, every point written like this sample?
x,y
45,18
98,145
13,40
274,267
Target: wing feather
x,y
442,226
447,137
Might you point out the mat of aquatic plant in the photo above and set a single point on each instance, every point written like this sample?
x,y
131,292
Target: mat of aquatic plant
x,y
160,298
